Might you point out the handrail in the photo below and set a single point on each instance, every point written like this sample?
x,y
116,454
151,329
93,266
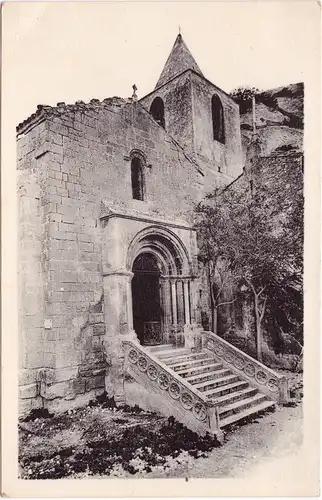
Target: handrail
x,y
169,371
244,354
266,379
189,405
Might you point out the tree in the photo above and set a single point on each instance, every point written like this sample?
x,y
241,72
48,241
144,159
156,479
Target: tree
x,y
216,255
244,96
244,230
285,307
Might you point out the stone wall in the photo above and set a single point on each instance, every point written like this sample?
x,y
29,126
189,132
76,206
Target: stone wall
x,y
71,158
282,175
31,245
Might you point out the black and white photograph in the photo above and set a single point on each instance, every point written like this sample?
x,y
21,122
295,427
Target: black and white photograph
x,y
159,201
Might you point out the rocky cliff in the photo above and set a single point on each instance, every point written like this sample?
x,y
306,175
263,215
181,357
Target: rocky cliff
x,y
279,118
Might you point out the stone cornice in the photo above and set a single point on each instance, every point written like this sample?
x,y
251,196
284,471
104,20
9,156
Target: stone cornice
x,y
145,218
118,272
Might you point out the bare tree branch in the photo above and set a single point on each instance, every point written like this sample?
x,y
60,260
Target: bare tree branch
x,y
226,303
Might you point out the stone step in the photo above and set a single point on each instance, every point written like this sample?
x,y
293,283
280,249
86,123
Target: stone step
x,y
238,406
195,370
213,394
235,396
247,412
208,376
182,358
211,384
200,361
173,353
160,347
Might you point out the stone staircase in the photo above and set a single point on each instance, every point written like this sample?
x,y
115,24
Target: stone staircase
x,y
234,396
207,385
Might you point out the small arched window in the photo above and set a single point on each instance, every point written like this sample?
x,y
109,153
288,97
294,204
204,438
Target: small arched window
x,y
137,179
218,124
157,111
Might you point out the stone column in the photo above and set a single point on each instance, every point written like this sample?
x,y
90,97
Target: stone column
x,y
162,307
166,307
195,316
167,303
129,302
187,302
174,302
180,301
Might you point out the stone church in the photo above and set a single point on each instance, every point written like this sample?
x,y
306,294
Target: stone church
x,y
108,271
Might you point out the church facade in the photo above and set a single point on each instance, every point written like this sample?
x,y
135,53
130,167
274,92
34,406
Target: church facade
x,y
108,251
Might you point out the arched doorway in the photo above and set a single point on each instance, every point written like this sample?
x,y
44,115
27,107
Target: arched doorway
x,y
161,285
146,299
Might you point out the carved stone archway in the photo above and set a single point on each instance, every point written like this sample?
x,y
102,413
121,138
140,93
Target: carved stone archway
x,y
175,278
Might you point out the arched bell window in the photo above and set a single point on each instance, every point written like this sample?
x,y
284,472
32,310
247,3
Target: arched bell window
x,y
157,111
218,123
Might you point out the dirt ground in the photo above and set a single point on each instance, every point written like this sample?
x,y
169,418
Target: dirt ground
x,y
102,441
269,437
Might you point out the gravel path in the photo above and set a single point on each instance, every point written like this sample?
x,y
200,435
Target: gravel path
x,y
248,448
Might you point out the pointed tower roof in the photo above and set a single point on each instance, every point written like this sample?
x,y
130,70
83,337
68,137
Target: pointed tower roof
x,y
179,60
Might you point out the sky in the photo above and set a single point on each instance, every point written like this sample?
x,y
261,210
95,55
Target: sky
x,y
78,51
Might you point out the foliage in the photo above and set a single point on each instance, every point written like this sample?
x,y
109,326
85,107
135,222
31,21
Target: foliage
x,y
216,255
285,311
243,96
262,252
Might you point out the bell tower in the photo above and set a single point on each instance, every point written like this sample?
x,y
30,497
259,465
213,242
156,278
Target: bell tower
x,y
202,118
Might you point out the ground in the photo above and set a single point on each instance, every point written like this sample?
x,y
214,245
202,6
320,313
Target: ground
x,y
101,441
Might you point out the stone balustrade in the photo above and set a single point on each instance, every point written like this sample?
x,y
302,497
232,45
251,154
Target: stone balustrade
x,y
267,380
188,405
